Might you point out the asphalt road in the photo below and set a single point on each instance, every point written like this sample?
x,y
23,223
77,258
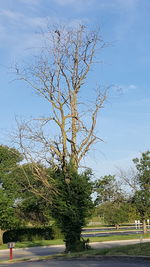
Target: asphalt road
x,y
113,233
102,262
107,231
51,250
112,228
32,252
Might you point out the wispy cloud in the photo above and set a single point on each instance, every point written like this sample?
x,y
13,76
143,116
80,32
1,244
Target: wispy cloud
x,y
104,4
30,2
122,89
17,30
11,15
125,11
21,31
132,86
21,25
127,88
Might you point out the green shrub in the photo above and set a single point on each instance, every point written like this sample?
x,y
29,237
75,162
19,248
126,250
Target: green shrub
x,y
57,232
29,234
72,206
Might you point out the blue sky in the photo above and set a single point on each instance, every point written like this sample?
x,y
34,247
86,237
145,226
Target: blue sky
x,y
124,123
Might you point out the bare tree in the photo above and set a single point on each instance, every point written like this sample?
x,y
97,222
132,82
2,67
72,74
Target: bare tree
x,y
58,75
64,137
128,179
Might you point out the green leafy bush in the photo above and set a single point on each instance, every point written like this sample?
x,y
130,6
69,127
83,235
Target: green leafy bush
x,y
32,234
73,206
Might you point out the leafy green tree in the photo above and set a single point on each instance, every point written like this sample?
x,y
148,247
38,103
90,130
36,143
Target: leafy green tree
x,y
16,180
115,213
9,160
112,205
70,206
107,189
141,198
143,170
34,210
8,217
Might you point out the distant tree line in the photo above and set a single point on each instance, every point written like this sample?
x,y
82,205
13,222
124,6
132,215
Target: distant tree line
x,y
117,205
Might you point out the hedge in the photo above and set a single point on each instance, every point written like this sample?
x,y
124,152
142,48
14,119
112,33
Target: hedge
x,y
32,234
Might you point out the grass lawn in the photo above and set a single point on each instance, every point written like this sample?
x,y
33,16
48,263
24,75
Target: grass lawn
x,y
117,237
142,249
107,226
111,231
35,243
97,226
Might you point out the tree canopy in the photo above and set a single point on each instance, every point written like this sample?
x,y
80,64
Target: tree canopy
x,y
143,170
18,203
107,189
141,198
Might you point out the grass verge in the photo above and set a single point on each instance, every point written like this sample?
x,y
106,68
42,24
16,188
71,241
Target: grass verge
x,y
35,243
117,237
142,249
110,231
98,225
60,241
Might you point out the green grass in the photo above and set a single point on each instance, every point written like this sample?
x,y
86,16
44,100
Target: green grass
x,y
100,225
117,237
110,227
142,249
60,241
35,243
110,231
95,226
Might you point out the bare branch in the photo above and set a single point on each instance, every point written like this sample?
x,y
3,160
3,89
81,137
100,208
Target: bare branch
x,y
58,75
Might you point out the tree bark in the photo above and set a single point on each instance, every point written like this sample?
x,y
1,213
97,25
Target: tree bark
x,y
144,227
74,160
1,236
117,226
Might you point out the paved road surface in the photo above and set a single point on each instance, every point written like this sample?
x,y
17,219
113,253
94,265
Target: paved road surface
x,y
113,233
101,262
32,252
99,229
49,250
